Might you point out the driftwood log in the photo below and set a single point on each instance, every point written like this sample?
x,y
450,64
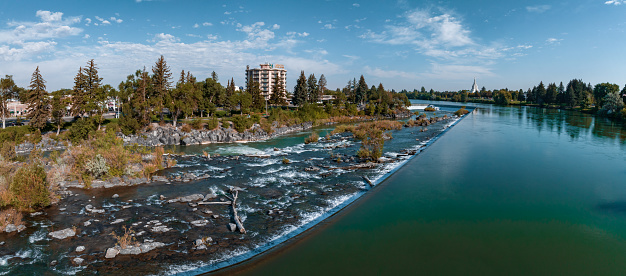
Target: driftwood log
x,y
236,217
369,182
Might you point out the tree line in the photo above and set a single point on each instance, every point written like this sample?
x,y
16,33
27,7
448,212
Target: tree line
x,y
144,95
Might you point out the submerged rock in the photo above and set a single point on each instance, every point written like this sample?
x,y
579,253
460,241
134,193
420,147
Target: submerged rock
x,y
199,223
63,234
78,261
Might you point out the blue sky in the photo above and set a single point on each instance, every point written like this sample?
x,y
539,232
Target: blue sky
x,y
403,44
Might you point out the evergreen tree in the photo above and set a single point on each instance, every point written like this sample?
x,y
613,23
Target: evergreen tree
x,y
79,94
161,85
59,104
312,89
180,99
540,96
8,91
231,99
214,76
278,92
361,91
570,95
551,93
561,94
321,84
254,89
520,96
300,91
37,101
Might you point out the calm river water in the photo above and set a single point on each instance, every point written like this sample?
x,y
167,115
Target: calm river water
x,y
508,191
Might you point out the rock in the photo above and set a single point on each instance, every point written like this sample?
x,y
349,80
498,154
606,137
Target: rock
x,y
54,262
158,178
115,196
215,216
130,250
80,248
112,252
161,197
160,229
63,234
208,212
189,198
199,223
151,245
78,261
86,223
117,221
21,228
10,228
36,214
232,227
270,212
312,169
209,196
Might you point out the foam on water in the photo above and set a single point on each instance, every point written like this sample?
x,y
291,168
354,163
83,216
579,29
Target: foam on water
x,y
263,163
39,235
238,149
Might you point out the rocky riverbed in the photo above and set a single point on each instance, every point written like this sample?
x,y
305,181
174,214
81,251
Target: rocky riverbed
x,y
182,219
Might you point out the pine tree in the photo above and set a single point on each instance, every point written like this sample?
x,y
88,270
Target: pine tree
x,y
59,104
180,99
312,89
560,98
214,76
37,101
278,93
551,93
540,96
321,84
8,91
254,89
300,91
231,100
79,95
161,83
361,91
94,94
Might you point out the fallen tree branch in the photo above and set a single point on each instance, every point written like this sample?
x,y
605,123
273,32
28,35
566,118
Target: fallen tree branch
x,y
236,217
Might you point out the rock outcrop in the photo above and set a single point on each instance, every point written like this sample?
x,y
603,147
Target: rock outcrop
x,y
168,135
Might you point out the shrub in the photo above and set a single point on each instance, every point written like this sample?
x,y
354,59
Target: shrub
x,y
97,167
81,129
221,113
112,127
196,124
313,138
461,112
241,123
286,161
30,188
7,151
186,128
15,134
158,157
266,126
129,125
429,109
212,124
125,240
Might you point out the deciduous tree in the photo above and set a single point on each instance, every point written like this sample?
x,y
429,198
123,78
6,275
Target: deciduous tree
x,y
8,91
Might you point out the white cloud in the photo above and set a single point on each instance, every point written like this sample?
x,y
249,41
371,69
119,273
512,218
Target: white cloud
x,y
456,72
116,20
328,26
256,33
377,72
614,2
553,40
106,22
356,5
163,37
86,36
275,27
88,20
26,50
51,26
538,8
196,25
207,24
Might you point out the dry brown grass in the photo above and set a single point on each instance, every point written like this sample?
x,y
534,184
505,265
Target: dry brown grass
x,y
125,240
10,216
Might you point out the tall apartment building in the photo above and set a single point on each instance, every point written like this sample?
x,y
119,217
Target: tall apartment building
x,y
266,76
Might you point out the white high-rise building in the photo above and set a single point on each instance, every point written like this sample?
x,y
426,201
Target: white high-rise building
x,y
474,87
266,75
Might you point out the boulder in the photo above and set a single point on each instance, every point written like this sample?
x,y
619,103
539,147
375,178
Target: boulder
x,y
199,223
232,227
189,198
112,252
78,261
80,248
63,234
10,228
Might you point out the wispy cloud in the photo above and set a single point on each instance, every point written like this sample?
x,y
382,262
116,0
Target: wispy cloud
x,y
51,25
553,40
387,74
328,26
538,8
356,5
614,2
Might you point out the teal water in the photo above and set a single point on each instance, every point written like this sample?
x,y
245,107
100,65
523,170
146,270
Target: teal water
x,y
507,191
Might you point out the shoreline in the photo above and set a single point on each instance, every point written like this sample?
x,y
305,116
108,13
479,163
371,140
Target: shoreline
x,y
242,259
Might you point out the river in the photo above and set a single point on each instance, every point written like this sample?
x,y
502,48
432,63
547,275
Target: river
x,y
507,191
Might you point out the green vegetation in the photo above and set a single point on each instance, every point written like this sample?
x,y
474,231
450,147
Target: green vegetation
x,y
313,138
372,136
462,111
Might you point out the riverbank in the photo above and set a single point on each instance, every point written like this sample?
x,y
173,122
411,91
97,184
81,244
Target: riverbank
x,y
276,198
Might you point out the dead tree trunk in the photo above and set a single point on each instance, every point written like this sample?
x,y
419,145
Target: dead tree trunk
x,y
369,182
237,220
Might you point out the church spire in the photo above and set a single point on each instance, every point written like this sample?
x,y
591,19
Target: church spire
x,y
474,87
